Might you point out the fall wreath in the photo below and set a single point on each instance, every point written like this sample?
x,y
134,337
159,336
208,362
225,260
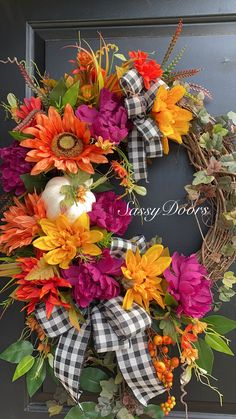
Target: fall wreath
x,y
108,315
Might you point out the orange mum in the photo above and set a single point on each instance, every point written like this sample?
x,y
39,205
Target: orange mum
x,y
63,143
21,223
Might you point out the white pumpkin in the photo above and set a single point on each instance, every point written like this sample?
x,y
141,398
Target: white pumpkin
x,y
52,198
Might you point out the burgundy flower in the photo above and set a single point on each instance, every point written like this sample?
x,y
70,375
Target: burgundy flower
x,y
110,213
13,165
94,280
189,285
110,121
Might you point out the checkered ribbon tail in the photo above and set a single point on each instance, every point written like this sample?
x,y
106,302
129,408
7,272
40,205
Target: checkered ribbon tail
x,y
145,138
113,329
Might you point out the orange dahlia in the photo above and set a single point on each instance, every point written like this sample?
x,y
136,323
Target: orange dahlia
x,y
21,223
61,142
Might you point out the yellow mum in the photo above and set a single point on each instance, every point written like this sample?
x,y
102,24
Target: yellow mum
x,y
173,121
142,277
63,240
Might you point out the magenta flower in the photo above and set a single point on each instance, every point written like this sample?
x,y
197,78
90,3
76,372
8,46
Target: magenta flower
x,y
189,285
110,213
110,121
13,165
94,280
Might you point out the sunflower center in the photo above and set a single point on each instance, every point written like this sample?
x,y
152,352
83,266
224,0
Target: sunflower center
x,y
67,145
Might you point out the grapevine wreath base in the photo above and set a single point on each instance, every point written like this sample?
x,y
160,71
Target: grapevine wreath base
x,y
106,315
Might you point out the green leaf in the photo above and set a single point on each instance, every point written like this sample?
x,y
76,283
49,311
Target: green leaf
x,y
34,183
218,344
71,95
205,354
154,411
12,100
103,187
19,136
58,92
228,249
229,161
220,324
168,328
204,116
18,350
170,300
54,408
23,367
119,378
109,388
224,183
120,57
229,279
124,414
90,379
36,376
205,140
220,130
202,177
217,142
232,115
86,411
225,294
230,218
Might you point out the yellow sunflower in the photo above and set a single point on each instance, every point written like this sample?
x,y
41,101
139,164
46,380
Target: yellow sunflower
x,y
142,277
172,120
64,240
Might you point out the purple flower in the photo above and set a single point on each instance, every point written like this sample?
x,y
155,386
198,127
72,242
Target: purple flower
x,y
110,121
13,165
94,280
110,213
189,285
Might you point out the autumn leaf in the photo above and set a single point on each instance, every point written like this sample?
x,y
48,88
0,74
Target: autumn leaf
x,y
42,271
214,166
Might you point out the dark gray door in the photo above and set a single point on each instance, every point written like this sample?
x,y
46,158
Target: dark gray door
x,y
38,30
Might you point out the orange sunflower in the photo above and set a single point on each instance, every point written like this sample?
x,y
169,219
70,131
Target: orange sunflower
x,y
61,142
21,223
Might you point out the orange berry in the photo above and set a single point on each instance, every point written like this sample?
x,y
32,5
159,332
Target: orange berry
x,y
157,340
150,346
160,376
160,366
152,353
167,340
165,349
169,376
174,362
166,361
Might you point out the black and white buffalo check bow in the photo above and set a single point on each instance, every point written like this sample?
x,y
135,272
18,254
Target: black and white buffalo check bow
x,y
113,329
145,138
120,246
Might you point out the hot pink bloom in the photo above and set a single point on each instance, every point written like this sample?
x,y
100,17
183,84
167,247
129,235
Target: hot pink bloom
x,y
189,285
13,165
94,280
110,213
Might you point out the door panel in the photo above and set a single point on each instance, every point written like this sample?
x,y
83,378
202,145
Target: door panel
x,y
210,36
